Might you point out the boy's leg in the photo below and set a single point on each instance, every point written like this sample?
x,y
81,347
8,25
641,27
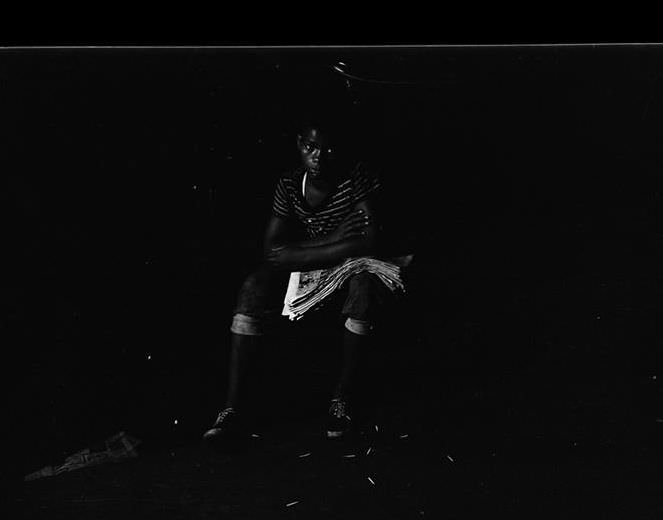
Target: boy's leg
x,y
242,348
354,345
257,304
365,294
257,300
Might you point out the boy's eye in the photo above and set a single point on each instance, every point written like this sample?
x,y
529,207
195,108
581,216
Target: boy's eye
x,y
309,147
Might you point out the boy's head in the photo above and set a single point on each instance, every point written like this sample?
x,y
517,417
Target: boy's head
x,y
318,150
324,121
325,137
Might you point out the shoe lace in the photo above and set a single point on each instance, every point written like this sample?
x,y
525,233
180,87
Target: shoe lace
x,y
223,414
339,409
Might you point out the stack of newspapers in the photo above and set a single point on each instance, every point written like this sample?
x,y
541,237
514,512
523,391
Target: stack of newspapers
x,y
307,289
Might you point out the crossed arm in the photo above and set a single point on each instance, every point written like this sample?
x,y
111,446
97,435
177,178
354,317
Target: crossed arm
x,y
355,236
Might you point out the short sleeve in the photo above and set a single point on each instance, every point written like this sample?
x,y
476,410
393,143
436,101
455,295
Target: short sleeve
x,y
364,183
280,205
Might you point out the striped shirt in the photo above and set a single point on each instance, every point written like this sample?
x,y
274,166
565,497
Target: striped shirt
x,y
289,201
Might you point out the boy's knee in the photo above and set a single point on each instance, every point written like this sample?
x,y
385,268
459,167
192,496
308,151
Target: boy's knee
x,y
359,327
247,325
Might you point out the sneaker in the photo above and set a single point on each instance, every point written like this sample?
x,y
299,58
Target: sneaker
x,y
339,420
226,425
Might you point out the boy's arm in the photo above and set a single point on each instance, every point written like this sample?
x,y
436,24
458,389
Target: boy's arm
x,y
276,233
352,225
297,258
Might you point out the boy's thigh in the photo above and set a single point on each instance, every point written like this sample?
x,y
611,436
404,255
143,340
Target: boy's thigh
x,y
366,295
262,292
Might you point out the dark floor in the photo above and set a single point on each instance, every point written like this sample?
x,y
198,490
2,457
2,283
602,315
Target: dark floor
x,y
537,400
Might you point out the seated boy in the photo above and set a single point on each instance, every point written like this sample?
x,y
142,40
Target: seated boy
x,y
332,197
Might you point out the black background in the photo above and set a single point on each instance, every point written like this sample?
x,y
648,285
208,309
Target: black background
x,y
518,153
137,183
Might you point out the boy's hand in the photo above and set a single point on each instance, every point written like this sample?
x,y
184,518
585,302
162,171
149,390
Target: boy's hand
x,y
283,257
355,224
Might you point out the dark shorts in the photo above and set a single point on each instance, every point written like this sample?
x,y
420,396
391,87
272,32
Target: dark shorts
x,y
263,292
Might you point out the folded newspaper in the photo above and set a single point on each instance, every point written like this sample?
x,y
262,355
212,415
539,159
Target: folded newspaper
x,y
307,289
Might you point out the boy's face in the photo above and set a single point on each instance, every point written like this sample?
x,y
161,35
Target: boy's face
x,y
317,151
